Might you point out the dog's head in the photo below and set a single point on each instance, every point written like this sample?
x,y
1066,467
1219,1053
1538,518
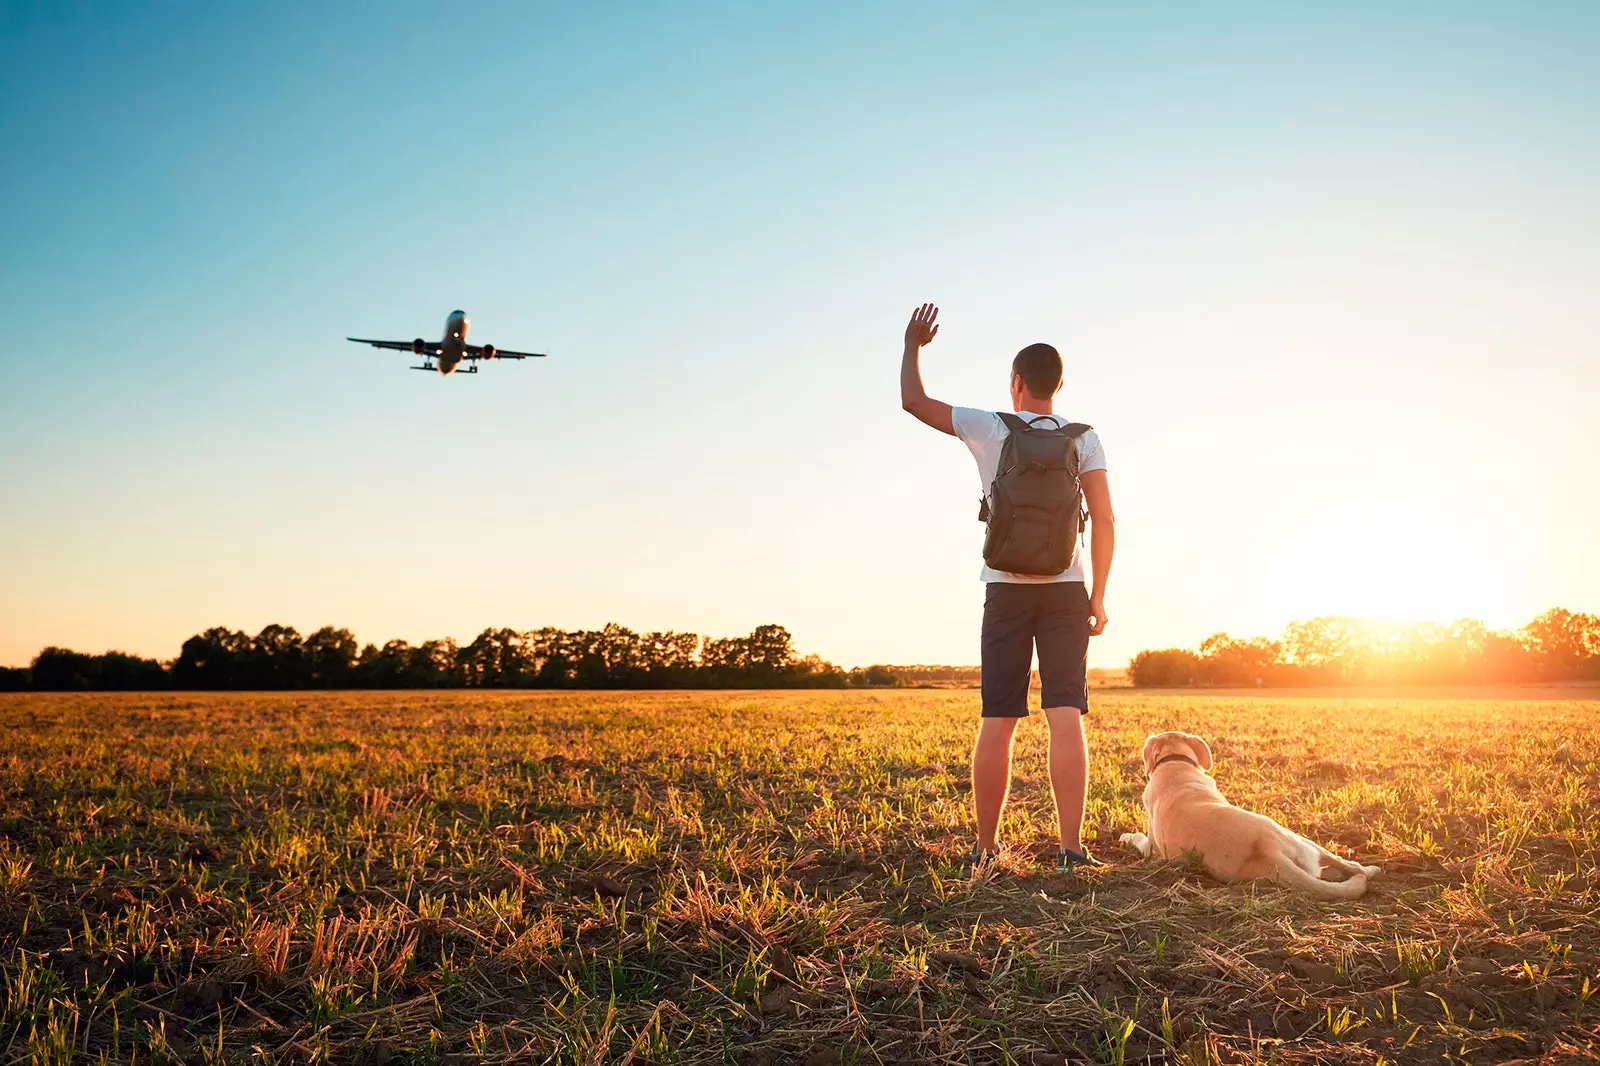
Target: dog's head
x,y
1160,745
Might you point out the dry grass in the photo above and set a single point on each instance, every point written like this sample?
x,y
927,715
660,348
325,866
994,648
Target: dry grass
x,y
772,878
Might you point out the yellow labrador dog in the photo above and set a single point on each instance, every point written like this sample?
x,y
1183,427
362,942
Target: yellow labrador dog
x,y
1188,816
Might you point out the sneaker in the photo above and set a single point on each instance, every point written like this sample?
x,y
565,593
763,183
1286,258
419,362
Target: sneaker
x,y
980,859
1068,860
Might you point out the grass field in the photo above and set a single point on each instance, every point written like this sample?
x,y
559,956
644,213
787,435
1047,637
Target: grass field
x,y
773,878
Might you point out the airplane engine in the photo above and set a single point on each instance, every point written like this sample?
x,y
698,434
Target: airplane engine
x,y
419,346
488,351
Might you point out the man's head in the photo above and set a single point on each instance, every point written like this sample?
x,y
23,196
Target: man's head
x,y
1035,374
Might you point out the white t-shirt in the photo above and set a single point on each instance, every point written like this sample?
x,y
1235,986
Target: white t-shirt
x,y
983,432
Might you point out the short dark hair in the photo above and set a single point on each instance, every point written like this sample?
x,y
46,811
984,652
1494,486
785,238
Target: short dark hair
x,y
1039,366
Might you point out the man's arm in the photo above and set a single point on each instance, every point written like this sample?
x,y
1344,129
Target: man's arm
x,y
924,326
1102,543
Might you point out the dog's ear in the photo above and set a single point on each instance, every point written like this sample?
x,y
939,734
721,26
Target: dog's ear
x,y
1202,750
1150,753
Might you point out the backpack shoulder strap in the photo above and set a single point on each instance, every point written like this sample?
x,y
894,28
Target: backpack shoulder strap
x,y
1074,432
1013,423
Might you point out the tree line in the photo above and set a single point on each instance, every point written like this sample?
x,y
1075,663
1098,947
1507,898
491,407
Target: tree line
x,y
279,657
1559,645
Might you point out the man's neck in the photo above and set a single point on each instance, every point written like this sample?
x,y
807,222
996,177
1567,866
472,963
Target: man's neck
x,y
1031,406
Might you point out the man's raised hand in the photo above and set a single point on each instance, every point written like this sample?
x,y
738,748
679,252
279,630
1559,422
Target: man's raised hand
x,y
923,327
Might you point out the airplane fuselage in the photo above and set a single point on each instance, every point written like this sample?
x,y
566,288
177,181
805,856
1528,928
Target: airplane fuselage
x,y
454,345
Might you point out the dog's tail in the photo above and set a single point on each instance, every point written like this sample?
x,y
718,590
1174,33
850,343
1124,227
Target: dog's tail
x,y
1294,877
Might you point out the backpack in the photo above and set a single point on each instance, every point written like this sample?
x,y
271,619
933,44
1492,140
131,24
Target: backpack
x,y
1034,509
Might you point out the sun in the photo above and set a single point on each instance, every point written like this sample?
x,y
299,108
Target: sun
x,y
1395,561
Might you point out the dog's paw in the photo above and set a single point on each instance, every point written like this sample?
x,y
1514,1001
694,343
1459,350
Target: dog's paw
x,y
1372,871
1126,838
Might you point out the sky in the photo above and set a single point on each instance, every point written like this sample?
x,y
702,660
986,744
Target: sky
x,y
1323,277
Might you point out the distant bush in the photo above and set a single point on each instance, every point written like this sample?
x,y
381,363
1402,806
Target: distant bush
x,y
1167,668
938,676
60,669
15,679
875,676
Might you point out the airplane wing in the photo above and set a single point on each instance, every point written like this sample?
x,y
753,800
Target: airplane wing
x,y
475,351
399,346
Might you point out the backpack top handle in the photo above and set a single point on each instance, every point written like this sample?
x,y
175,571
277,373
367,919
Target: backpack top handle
x,y
1017,424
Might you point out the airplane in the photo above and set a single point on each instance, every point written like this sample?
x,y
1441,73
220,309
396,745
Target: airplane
x,y
452,350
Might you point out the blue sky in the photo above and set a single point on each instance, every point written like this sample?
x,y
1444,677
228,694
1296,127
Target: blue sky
x,y
1323,279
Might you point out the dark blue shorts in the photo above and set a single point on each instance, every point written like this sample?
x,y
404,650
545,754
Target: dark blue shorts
x,y
1055,617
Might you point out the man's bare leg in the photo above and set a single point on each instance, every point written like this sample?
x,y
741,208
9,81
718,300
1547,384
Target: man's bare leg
x,y
991,777
1069,772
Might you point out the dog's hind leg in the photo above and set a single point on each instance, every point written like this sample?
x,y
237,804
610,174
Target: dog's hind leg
x,y
1138,842
1300,866
1303,853
1343,865
1291,875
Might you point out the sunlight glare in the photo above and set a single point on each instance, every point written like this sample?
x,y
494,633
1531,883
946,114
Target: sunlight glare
x,y
1396,562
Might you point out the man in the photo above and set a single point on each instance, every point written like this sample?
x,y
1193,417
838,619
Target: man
x,y
1052,611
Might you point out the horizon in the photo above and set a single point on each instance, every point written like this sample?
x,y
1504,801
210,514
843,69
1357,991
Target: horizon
x,y
1387,628
1322,280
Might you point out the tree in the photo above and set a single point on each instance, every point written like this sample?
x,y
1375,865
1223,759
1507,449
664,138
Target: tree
x,y
1167,668
1227,661
612,658
554,653
433,665
1565,644
816,672
1322,648
498,658
214,659
63,670
669,658
769,652
330,657
277,658
1450,653
1506,658
121,672
589,668
385,667
724,660
874,676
